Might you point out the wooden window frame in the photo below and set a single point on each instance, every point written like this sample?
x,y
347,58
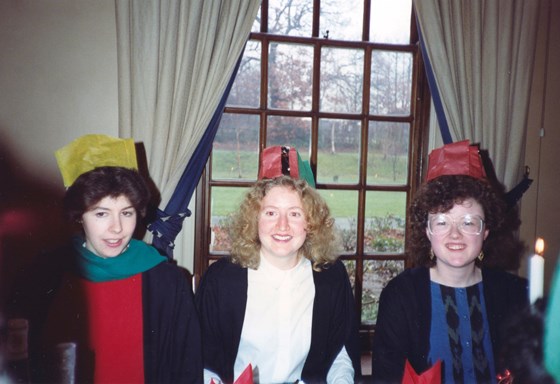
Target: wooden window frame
x,y
418,119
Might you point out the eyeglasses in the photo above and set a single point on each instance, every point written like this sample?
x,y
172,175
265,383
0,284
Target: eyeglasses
x,y
440,224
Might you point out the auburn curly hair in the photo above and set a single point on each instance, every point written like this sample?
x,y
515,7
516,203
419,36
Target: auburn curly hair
x,y
440,195
321,242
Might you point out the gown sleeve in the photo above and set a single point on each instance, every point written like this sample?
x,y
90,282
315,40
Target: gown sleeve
x,y
391,338
172,330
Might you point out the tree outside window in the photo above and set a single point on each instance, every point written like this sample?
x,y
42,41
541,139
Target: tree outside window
x,y
343,89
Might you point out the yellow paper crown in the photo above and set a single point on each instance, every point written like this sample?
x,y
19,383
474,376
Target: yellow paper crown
x,y
91,151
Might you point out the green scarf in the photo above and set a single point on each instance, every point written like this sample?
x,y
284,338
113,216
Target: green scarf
x,y
137,257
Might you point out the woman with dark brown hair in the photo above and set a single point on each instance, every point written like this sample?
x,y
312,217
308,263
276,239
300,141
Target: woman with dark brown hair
x,y
451,307
129,311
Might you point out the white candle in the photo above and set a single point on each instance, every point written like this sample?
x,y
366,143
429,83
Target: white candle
x,y
536,272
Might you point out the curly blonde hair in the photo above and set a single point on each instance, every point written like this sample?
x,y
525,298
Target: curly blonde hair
x,y
321,243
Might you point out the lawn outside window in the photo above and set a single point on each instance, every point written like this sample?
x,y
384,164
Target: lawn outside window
x,y
341,81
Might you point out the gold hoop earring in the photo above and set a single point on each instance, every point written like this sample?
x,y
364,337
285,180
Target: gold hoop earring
x,y
480,256
432,255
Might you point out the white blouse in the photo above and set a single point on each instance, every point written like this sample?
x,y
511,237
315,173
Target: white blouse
x,y
276,334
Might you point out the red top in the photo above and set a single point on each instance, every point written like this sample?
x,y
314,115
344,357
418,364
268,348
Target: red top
x,y
105,319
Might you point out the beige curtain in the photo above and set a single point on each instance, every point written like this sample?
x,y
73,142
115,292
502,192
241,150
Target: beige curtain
x,y
175,58
482,54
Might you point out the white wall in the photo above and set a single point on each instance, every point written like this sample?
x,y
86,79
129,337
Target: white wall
x,y
58,81
540,206
58,77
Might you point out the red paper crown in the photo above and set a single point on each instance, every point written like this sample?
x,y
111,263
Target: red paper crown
x,y
277,161
282,160
458,158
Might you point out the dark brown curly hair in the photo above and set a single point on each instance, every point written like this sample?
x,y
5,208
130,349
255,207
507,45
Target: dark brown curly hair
x,y
440,195
321,242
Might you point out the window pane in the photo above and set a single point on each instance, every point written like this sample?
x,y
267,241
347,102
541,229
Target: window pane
x,y
342,19
344,209
391,83
390,21
338,152
246,87
256,27
236,147
290,76
385,222
376,276
290,17
309,92
388,148
224,201
292,131
351,270
342,80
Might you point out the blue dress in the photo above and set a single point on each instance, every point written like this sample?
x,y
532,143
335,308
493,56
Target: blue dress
x,y
404,319
460,335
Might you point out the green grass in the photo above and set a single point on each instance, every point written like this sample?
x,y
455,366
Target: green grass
x,y
345,167
342,166
345,203
227,165
341,203
226,200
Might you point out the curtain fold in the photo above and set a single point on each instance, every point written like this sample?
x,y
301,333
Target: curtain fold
x,y
482,54
175,60
169,222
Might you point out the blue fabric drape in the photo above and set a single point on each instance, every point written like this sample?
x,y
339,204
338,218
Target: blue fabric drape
x,y
436,97
169,222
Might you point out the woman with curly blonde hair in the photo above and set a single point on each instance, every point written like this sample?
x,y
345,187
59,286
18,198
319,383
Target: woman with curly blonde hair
x,y
282,304
320,245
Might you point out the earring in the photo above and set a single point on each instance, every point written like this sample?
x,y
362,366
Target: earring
x,y
480,256
432,255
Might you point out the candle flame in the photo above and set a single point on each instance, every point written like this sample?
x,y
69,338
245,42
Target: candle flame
x,y
539,246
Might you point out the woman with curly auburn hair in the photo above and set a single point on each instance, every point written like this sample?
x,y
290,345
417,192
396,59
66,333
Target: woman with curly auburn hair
x,y
451,308
282,303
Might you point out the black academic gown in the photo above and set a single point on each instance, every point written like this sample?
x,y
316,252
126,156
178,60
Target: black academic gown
x,y
221,300
404,319
171,333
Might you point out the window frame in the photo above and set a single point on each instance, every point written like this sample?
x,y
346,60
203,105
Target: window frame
x,y
419,125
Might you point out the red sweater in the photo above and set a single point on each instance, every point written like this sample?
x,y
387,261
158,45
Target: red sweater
x,y
105,320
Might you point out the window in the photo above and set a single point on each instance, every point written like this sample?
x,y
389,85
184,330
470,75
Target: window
x,y
340,80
